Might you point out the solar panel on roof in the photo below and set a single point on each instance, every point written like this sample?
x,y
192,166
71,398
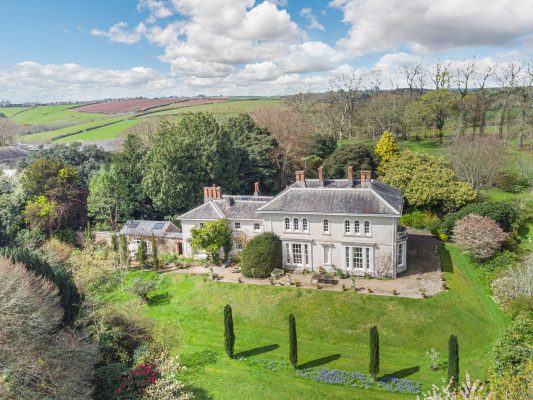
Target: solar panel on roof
x,y
134,224
159,225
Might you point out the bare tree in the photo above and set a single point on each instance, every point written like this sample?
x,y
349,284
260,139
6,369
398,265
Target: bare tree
x,y
525,95
478,161
414,77
480,84
440,76
508,75
463,76
385,265
8,132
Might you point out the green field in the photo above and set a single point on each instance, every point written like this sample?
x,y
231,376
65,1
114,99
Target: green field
x,y
104,133
10,111
54,115
49,135
332,330
227,107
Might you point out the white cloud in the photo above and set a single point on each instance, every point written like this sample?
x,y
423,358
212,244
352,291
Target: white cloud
x,y
120,33
380,25
311,18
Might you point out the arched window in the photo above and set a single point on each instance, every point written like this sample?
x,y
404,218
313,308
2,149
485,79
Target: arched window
x,y
295,224
287,224
325,226
305,225
357,227
347,227
367,228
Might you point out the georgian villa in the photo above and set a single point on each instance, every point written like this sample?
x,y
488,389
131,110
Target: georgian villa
x,y
351,224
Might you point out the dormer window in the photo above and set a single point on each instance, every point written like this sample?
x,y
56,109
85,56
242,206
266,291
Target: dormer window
x,y
295,224
357,227
305,225
287,224
367,228
347,227
325,226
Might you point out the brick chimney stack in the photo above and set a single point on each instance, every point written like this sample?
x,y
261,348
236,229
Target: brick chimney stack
x,y
256,189
321,176
350,173
300,176
212,193
366,178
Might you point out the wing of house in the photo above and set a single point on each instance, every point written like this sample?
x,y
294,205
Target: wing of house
x,y
167,235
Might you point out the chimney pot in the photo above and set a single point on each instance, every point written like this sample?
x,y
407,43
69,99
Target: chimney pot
x,y
350,173
300,176
256,189
366,177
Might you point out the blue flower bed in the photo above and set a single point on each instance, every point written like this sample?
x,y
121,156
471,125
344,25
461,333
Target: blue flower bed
x,y
359,380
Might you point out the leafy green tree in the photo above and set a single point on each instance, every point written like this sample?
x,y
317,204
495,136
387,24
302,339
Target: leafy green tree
x,y
453,360
427,181
386,148
123,249
85,159
155,256
513,350
374,352
293,341
142,252
324,145
357,155
213,237
261,255
434,108
255,148
186,156
229,334
107,202
12,203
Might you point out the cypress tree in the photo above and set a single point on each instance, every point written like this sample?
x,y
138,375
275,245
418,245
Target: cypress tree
x,y
453,360
374,352
293,341
123,247
155,256
114,242
229,335
142,253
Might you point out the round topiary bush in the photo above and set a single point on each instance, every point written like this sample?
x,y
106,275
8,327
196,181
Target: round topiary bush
x,y
261,255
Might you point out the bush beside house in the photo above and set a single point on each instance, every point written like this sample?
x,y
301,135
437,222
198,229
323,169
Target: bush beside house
x,y
261,255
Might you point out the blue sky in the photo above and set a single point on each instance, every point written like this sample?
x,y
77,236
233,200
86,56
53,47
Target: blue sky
x,y
78,50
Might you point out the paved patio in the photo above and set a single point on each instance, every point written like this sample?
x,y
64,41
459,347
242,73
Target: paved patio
x,y
422,278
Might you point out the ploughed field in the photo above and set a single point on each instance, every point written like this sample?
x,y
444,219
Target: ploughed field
x,y
333,332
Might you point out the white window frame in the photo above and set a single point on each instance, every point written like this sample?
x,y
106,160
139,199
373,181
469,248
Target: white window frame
x,y
288,258
357,227
306,254
326,228
238,247
305,225
257,227
237,225
326,255
347,227
350,258
399,255
287,224
296,225
366,225
297,255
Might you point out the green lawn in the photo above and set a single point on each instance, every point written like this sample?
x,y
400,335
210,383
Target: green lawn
x,y
51,115
227,107
330,325
10,111
104,133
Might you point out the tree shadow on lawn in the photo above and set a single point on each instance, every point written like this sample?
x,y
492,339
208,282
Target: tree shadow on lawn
x,y
159,299
257,351
319,361
403,372
447,265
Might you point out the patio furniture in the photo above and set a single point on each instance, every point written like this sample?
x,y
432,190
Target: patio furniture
x,y
325,279
277,273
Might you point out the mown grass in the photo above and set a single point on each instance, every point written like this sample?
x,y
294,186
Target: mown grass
x,y
52,115
189,319
10,111
105,133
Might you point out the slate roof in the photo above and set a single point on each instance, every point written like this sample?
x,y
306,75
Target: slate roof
x,y
147,228
231,207
337,196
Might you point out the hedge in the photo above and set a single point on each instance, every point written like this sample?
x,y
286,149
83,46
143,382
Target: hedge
x,y
261,255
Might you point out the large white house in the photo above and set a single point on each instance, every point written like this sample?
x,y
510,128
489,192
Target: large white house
x,y
351,224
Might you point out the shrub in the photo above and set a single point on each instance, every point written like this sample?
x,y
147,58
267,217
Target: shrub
x,y
213,237
453,360
513,349
520,304
386,148
503,212
142,288
134,384
421,220
106,379
481,236
56,251
500,261
261,255
293,341
514,282
167,387
374,352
